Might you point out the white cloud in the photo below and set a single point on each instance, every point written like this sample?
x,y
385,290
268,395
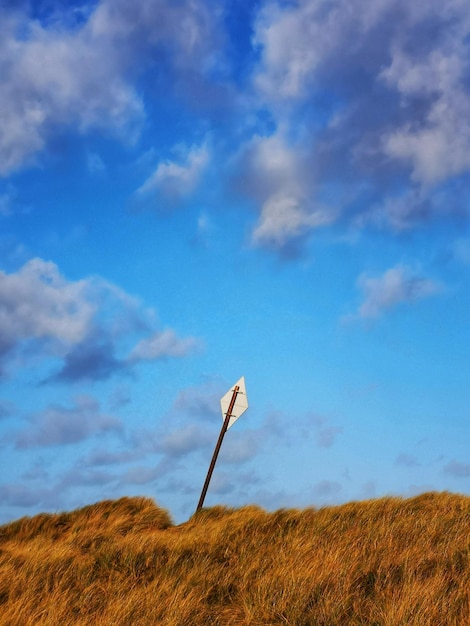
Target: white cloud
x,y
54,75
52,78
374,93
286,39
296,39
397,285
176,179
37,302
275,175
284,217
439,147
161,345
82,322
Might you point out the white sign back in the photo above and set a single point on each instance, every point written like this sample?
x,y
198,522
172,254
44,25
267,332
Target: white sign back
x,y
241,402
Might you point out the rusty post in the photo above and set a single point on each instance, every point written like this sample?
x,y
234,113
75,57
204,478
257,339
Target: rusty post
x,y
223,430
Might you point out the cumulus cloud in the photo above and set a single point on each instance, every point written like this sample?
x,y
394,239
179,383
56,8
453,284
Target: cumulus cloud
x,y
284,217
55,73
375,96
438,147
294,41
38,303
174,180
275,174
368,99
54,78
396,286
83,323
58,425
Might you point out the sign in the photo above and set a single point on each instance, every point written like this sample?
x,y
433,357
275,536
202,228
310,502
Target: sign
x,y
234,403
240,405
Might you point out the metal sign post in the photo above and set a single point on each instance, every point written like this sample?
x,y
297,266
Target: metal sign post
x,y
237,405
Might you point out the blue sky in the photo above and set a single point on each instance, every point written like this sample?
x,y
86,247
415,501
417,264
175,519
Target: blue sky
x,y
193,191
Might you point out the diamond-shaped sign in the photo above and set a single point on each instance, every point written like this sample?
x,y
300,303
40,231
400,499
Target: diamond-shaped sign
x,y
241,402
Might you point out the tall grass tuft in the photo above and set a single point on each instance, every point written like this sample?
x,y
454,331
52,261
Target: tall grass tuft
x,y
384,562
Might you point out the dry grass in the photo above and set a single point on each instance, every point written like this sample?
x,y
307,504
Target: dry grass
x,y
387,562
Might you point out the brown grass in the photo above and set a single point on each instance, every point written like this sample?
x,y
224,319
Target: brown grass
x,y
387,562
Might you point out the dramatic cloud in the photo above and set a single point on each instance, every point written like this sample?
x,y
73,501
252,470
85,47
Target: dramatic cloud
x,y
55,73
369,99
374,101
58,425
83,322
397,285
330,132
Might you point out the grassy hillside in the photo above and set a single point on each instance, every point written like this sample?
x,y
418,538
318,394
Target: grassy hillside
x,y
387,562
